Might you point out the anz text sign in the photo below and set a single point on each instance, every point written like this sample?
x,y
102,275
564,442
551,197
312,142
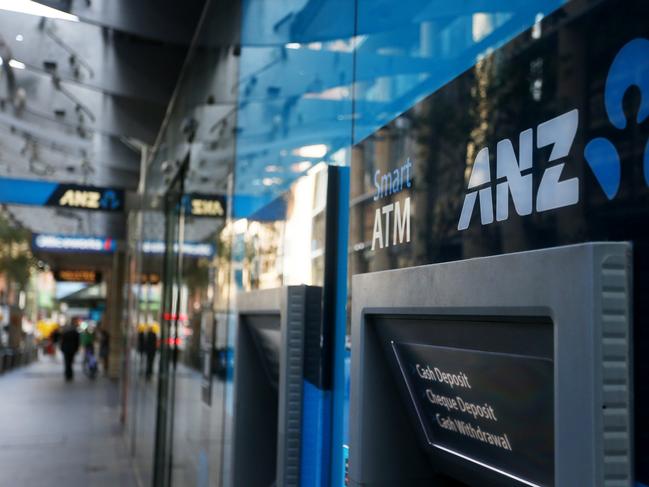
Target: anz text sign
x,y
629,70
87,198
60,195
514,174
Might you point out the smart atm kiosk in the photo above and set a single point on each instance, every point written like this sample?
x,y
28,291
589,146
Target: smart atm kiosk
x,y
511,370
277,338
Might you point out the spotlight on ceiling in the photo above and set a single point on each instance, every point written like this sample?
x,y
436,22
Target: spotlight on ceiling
x,y
35,8
16,64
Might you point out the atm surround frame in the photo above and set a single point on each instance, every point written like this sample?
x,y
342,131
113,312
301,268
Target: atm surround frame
x,y
258,302
292,305
529,287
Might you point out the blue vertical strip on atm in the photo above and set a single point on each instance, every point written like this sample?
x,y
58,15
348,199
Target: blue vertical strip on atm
x,y
340,334
228,393
316,427
324,342
345,413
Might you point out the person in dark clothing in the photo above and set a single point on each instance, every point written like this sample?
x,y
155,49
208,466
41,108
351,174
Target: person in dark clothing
x,y
56,336
151,347
69,347
53,343
141,340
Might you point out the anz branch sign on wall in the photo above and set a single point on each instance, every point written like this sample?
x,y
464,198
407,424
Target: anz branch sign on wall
x,y
514,174
542,143
514,171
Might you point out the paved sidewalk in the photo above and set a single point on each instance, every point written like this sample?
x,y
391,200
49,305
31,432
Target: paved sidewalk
x,y
60,434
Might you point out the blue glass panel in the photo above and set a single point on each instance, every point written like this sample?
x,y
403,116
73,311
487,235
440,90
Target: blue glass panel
x,y
278,22
408,49
295,83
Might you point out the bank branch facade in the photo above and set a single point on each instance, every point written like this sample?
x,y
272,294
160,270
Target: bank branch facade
x,y
430,258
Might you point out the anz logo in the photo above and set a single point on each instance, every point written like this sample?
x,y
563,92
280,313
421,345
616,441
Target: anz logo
x,y
630,68
515,174
91,200
513,171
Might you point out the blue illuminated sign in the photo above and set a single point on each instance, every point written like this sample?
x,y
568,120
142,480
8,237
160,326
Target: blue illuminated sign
x,y
82,244
47,193
189,249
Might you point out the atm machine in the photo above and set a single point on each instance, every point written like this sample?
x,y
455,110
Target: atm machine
x,y
278,340
511,370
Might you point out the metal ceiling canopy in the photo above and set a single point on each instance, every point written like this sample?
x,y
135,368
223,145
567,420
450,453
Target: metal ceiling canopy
x,y
109,61
75,108
108,162
162,20
78,99
201,114
78,90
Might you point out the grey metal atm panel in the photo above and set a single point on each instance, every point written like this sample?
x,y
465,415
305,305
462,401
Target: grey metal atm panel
x,y
583,289
294,308
255,400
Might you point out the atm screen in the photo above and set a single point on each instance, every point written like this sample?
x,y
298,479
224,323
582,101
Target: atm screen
x,y
266,334
481,391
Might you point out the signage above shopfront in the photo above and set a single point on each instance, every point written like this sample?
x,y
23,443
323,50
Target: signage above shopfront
x,y
205,205
188,249
87,198
95,198
77,275
150,278
83,244
63,243
60,195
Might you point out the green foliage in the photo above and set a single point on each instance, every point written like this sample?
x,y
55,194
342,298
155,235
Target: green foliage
x,y
16,259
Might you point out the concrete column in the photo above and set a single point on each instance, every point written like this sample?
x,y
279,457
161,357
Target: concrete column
x,y
114,315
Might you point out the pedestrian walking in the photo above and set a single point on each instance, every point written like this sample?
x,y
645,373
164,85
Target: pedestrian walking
x,y
88,340
151,347
56,335
69,347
